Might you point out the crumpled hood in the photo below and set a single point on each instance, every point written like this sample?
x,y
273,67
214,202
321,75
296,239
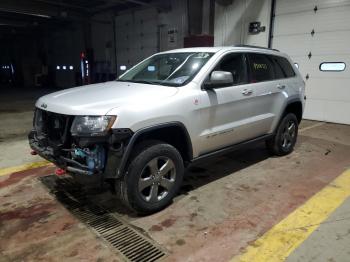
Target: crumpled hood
x,y
98,99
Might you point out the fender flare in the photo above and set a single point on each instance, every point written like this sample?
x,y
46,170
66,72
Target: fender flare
x,y
130,146
290,101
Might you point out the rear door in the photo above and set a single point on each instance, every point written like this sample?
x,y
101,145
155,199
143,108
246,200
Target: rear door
x,y
269,87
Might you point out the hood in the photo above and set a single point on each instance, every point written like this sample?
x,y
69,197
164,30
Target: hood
x,y
98,99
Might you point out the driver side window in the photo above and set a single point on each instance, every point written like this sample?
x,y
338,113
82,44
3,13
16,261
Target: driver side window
x,y
236,65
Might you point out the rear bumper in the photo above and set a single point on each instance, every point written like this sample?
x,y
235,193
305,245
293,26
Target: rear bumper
x,y
113,146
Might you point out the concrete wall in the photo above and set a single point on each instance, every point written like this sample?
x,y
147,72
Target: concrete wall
x,y
232,22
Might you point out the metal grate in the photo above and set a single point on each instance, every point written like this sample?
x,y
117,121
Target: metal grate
x,y
126,240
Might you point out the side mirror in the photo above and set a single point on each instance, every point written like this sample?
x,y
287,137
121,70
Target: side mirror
x,y
219,79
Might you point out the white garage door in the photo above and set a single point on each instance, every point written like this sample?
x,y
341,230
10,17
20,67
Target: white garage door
x,y
137,37
313,32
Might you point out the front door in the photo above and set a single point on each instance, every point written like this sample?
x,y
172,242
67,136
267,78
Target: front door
x,y
226,111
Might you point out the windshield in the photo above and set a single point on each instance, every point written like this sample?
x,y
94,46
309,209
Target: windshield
x,y
173,69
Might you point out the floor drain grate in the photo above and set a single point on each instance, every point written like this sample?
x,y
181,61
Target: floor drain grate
x,y
133,245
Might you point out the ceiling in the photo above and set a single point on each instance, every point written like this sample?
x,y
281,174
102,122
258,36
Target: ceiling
x,y
28,15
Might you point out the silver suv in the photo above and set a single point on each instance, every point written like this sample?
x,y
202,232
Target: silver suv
x,y
172,109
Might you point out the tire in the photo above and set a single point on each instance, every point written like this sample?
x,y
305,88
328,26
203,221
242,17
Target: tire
x,y
283,142
145,188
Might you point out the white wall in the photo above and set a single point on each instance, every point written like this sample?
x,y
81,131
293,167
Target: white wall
x,y
231,22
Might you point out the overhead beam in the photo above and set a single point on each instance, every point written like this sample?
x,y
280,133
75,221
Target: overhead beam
x,y
155,4
119,3
61,4
35,8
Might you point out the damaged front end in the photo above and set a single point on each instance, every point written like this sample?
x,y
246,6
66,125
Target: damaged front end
x,y
76,152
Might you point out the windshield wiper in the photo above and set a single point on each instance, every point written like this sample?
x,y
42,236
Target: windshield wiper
x,y
140,81
163,83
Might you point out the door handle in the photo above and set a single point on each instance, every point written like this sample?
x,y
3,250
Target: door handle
x,y
281,86
247,92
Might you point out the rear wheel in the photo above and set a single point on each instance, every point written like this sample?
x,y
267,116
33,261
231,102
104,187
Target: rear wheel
x,y
283,142
153,178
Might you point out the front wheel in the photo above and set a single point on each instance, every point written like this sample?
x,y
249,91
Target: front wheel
x,y
283,142
153,178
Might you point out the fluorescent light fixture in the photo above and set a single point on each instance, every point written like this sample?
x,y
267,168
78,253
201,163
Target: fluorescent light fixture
x,y
122,67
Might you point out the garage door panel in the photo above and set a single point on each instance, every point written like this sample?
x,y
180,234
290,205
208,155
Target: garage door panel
x,y
146,14
331,43
327,89
328,93
123,20
303,63
331,3
332,19
316,61
148,41
337,111
329,111
287,6
137,36
300,44
301,24
314,109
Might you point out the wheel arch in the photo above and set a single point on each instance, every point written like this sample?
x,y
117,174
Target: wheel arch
x,y
294,106
173,133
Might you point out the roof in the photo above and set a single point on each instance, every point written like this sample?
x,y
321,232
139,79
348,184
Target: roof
x,y
222,48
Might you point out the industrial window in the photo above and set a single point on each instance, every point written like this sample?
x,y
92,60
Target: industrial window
x,y
261,68
332,66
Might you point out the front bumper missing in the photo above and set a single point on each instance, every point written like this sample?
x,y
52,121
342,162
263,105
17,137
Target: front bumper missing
x,y
113,143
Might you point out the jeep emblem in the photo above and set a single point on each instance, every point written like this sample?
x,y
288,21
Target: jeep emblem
x,y
44,105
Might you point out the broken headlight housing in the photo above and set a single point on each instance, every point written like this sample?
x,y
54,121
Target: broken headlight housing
x,y
92,125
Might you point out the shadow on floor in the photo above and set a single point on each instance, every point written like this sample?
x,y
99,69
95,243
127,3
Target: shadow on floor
x,y
89,190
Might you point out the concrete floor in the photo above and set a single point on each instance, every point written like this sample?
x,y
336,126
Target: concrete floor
x,y
224,205
16,118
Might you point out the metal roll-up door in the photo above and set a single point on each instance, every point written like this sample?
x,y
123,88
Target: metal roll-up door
x,y
314,32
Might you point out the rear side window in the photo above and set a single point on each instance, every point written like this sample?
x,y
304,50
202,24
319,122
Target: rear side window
x,y
279,73
261,68
286,66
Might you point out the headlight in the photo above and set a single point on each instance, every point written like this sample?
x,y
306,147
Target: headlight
x,y
92,125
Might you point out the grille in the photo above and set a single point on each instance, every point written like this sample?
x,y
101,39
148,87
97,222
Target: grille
x,y
126,240
54,126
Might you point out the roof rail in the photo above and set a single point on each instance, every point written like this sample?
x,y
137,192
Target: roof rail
x,y
259,47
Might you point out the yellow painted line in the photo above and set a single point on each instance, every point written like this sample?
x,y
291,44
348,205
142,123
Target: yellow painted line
x,y
10,170
280,241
